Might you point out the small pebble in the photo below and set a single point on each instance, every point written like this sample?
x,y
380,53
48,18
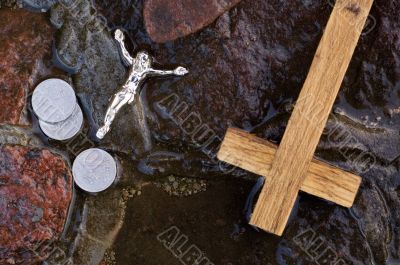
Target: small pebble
x,y
175,185
171,178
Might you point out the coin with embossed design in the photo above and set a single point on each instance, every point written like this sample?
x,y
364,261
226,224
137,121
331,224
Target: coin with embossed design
x,y
94,170
53,100
64,130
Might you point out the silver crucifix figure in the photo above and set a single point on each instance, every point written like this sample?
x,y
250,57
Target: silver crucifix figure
x,y
140,69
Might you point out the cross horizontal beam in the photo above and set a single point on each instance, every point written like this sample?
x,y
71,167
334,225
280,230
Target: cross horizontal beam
x,y
293,168
247,151
304,129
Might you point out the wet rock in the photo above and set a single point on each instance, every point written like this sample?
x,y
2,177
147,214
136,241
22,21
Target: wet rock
x,y
372,213
363,234
116,12
25,40
8,3
168,20
377,60
348,139
35,194
165,163
103,217
31,5
252,36
38,5
245,70
85,43
259,91
18,136
274,58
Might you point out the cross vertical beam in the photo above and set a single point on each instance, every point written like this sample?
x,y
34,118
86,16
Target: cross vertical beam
x,y
294,155
293,158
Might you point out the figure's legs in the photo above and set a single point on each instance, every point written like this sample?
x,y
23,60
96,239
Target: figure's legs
x,y
119,100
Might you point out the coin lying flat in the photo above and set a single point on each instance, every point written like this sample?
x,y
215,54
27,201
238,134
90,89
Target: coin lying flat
x,y
64,130
94,170
53,100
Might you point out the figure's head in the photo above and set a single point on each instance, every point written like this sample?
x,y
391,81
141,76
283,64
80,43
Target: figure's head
x,y
144,59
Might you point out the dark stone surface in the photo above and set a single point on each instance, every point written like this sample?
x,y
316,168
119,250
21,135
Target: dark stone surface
x,y
35,193
168,20
246,70
25,40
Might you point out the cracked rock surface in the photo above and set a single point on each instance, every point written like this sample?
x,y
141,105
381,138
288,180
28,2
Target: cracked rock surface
x,y
35,194
25,40
168,20
247,66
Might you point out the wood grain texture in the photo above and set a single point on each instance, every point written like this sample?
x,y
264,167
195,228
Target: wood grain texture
x,y
247,151
294,155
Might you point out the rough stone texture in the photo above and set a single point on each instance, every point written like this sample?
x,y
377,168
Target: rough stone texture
x,y
25,40
274,55
101,74
8,3
35,193
168,20
18,136
246,70
32,5
104,215
117,12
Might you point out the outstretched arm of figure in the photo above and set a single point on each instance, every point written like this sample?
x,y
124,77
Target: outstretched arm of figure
x,y
178,71
126,57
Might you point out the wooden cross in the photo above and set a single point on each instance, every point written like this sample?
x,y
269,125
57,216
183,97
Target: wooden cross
x,y
291,167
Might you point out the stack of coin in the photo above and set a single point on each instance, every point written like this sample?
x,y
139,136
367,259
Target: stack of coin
x,y
54,103
94,170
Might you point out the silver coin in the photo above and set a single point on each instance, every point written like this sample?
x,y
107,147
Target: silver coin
x,y
64,130
53,100
94,170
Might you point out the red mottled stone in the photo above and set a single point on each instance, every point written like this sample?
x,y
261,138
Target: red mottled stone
x,y
35,194
168,20
25,38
